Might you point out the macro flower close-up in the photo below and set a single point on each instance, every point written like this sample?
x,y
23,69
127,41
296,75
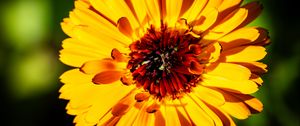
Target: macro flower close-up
x,y
162,62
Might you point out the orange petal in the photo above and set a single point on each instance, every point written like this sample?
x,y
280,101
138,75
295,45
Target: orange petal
x,y
125,27
153,108
213,51
118,56
142,96
97,66
127,80
107,77
123,105
195,68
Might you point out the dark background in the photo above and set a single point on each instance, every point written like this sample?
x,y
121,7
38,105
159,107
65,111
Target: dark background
x,y
31,38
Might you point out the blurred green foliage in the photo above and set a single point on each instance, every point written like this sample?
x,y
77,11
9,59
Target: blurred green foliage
x,y
31,38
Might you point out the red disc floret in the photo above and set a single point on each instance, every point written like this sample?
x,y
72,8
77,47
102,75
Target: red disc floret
x,y
164,62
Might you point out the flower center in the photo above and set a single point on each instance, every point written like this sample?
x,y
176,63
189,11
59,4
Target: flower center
x,y
165,62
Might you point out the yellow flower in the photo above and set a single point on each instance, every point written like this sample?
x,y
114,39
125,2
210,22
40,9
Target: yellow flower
x,y
162,62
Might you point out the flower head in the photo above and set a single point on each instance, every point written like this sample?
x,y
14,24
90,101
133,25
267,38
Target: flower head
x,y
162,62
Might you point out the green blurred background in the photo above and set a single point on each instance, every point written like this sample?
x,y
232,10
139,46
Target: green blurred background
x,y
31,38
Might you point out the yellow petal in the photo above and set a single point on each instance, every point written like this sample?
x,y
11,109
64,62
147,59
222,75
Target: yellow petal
x,y
139,8
229,71
212,4
167,110
251,101
109,120
255,67
72,77
255,78
196,114
76,111
114,10
172,11
194,10
227,25
123,106
208,95
239,37
67,26
87,17
217,121
143,117
235,107
80,121
75,53
96,38
226,119
129,117
84,97
110,96
82,4
238,86
228,6
244,54
206,20
264,37
153,10
182,115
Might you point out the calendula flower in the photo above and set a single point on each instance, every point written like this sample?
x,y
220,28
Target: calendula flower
x,y
162,62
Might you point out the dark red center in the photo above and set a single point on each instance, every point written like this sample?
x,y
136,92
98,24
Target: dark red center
x,y
165,62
